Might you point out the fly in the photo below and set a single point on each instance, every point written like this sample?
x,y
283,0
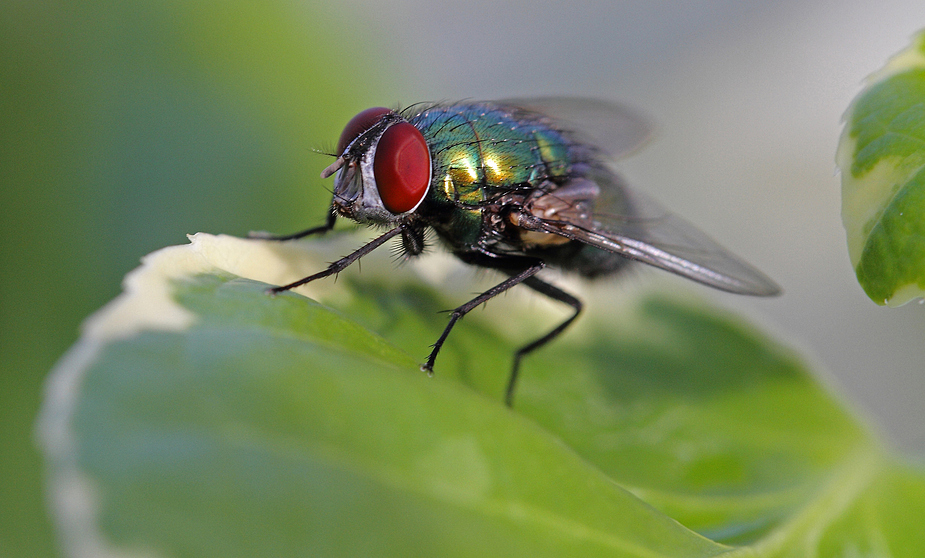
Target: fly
x,y
514,186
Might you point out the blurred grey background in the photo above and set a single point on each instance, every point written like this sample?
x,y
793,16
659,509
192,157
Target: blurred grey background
x,y
747,98
126,126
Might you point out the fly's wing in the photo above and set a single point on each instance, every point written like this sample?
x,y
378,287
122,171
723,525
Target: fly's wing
x,y
615,129
634,226
625,222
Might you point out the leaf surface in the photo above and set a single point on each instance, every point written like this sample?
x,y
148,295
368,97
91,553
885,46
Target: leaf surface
x,y
199,416
882,159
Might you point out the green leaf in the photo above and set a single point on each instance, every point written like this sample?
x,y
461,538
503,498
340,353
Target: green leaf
x,y
199,416
882,159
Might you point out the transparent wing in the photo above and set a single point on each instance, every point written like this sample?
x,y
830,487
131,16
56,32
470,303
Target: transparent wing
x,y
634,226
615,129
626,222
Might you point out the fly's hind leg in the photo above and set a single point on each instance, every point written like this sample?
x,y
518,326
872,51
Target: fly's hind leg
x,y
554,293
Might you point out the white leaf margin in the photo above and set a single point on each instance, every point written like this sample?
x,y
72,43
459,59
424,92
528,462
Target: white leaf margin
x,y
146,304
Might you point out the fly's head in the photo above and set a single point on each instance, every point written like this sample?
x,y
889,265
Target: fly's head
x,y
383,168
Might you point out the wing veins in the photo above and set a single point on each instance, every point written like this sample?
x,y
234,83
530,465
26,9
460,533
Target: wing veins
x,y
744,280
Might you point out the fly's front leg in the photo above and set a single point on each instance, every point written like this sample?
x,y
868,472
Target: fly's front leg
x,y
533,265
342,263
321,229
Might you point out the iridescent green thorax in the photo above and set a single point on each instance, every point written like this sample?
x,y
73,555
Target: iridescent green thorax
x,y
482,150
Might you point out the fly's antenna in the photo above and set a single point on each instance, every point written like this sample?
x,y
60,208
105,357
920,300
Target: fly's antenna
x,y
333,167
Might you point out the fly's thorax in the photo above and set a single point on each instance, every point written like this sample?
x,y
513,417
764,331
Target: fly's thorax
x,y
482,149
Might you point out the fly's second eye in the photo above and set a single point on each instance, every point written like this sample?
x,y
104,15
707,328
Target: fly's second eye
x,y
402,167
359,124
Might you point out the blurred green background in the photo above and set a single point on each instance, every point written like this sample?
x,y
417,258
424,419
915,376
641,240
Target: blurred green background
x,y
126,125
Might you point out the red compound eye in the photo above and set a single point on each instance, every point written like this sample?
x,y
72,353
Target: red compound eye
x,y
359,124
402,167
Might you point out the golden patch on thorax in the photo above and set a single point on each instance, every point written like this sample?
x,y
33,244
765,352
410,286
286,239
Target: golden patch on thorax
x,y
459,185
